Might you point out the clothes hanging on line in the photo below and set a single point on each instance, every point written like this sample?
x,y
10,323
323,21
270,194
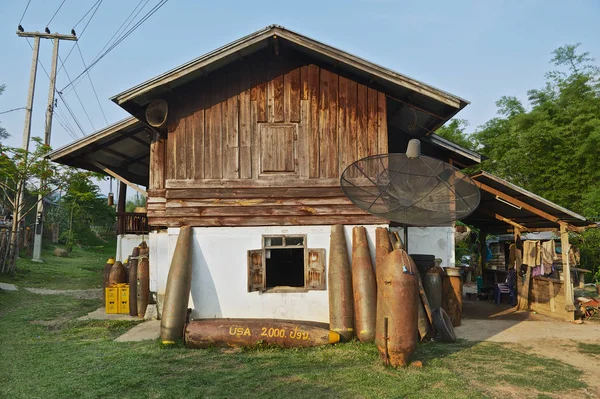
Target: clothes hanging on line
x,y
531,253
548,256
515,256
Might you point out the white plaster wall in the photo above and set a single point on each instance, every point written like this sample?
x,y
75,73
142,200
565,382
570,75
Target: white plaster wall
x,y
438,241
220,272
126,243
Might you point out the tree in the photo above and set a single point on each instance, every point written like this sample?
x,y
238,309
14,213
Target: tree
x,y
137,201
551,148
32,173
454,130
3,133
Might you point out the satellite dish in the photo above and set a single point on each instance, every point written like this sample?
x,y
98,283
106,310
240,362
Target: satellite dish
x,y
411,189
156,113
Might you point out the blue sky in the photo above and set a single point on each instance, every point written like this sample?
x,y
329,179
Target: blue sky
x,y
478,50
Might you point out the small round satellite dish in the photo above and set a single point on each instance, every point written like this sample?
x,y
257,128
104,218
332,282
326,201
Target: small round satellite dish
x,y
156,113
410,189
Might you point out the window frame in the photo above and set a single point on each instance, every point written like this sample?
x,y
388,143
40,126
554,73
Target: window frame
x,y
320,286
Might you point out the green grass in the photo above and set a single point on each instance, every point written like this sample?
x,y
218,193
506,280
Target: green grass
x,y
46,352
589,349
81,269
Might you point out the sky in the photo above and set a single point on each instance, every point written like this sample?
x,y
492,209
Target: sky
x,y
478,50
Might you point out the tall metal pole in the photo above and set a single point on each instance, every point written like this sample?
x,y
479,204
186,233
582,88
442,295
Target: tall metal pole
x,y
39,223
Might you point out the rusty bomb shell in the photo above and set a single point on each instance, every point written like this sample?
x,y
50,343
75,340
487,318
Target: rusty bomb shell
x,y
251,332
133,265
383,245
397,312
452,294
178,288
341,306
106,273
364,287
143,284
432,283
117,274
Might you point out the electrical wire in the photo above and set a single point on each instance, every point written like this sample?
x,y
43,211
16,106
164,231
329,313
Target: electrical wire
x,y
85,15
59,93
76,95
11,110
71,113
23,16
91,83
56,12
99,2
117,42
124,25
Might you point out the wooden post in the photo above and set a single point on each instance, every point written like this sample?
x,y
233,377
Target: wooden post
x,y
565,247
482,252
121,208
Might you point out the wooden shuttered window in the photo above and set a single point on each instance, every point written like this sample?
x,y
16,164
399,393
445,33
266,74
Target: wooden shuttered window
x,y
278,152
256,272
293,253
315,269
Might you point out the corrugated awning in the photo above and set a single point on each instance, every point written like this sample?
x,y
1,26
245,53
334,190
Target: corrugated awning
x,y
505,206
123,147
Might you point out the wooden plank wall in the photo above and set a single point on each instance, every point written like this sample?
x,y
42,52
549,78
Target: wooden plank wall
x,y
547,296
212,155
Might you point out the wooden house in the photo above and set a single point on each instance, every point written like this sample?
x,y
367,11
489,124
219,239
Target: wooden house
x,y
257,135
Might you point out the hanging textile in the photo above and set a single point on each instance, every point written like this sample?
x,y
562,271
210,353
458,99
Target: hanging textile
x,y
515,257
548,256
531,253
574,256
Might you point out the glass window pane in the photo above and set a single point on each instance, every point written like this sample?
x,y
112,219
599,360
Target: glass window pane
x,y
294,241
273,241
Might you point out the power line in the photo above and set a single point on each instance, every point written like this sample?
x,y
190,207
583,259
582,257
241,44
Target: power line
x,y
60,94
11,110
124,25
23,16
56,12
76,95
123,37
99,2
92,83
71,113
85,15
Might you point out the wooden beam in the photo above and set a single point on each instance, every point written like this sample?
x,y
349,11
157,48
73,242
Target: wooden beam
x,y
565,247
536,230
505,220
119,178
517,202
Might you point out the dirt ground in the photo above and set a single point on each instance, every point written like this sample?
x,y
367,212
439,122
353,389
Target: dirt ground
x,y
79,294
536,334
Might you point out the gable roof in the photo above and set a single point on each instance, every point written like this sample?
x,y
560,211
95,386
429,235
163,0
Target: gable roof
x,y
436,106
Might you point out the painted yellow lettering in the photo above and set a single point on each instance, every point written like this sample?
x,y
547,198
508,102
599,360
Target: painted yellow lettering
x,y
305,336
231,330
264,332
247,331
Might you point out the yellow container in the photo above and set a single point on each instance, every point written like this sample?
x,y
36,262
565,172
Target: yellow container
x,y
123,305
112,294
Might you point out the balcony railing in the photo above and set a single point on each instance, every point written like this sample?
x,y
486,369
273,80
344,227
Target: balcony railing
x,y
132,223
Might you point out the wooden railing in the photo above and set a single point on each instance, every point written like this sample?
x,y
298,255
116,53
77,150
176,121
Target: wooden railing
x,y
132,223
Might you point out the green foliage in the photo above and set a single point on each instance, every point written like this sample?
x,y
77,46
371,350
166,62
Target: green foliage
x,y
80,208
137,201
454,130
3,133
551,149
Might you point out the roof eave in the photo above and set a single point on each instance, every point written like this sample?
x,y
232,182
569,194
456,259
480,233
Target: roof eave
x,y
377,71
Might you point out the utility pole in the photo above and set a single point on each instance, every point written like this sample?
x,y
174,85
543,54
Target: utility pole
x,y
37,245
